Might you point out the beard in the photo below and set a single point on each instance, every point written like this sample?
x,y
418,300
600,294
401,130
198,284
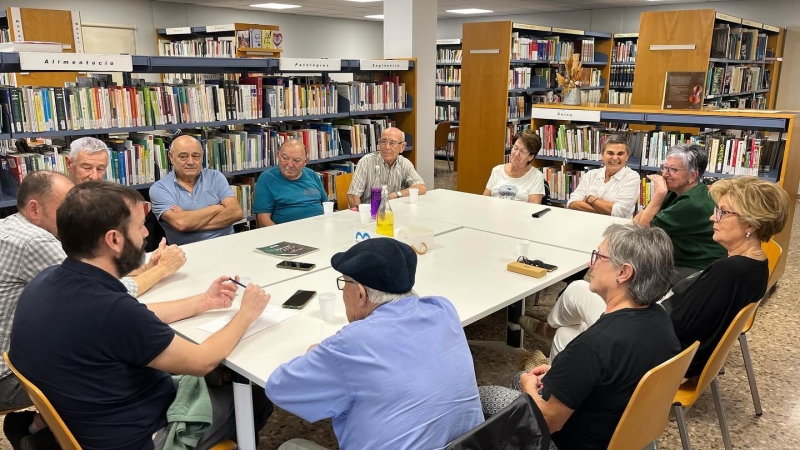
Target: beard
x,y
132,257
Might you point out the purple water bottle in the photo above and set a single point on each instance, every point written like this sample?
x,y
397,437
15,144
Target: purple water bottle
x,y
375,193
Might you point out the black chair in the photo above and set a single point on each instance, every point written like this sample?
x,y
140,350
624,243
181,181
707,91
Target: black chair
x,y
156,232
546,199
519,426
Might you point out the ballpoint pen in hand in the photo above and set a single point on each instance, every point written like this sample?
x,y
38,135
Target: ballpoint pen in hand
x,y
237,282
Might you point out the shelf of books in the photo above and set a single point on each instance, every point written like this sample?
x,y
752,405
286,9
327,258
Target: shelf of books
x,y
623,63
241,120
508,67
738,143
448,89
741,58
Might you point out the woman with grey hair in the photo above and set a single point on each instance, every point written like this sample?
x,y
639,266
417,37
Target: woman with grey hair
x,y
681,205
583,394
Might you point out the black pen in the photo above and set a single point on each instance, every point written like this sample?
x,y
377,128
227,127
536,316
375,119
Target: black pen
x,y
237,282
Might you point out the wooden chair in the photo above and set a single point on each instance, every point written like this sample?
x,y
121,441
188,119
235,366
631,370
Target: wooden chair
x,y
647,413
773,251
440,140
342,186
57,426
690,391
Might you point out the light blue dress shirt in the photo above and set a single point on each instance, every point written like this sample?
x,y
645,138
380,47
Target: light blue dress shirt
x,y
402,378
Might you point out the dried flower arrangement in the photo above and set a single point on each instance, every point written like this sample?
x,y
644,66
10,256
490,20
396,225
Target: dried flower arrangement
x,y
572,74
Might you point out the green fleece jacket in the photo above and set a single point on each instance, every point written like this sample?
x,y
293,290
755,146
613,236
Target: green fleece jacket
x,y
189,415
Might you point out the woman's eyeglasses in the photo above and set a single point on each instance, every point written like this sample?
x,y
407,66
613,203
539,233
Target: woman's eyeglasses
x,y
671,170
596,255
719,213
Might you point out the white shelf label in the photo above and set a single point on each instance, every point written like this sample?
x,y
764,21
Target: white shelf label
x,y
771,28
728,18
668,47
580,115
179,30
384,64
312,64
567,31
626,35
524,26
75,62
219,28
448,41
751,23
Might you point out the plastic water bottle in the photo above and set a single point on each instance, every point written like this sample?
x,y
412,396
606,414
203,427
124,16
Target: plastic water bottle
x,y
375,193
385,220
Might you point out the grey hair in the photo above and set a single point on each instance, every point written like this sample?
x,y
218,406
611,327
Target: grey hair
x,y
617,139
379,297
86,144
694,157
649,251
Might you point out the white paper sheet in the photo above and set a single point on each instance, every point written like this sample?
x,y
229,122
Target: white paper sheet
x,y
271,316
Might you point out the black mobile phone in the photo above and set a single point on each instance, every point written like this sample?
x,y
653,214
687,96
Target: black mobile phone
x,y
299,299
543,265
540,213
295,265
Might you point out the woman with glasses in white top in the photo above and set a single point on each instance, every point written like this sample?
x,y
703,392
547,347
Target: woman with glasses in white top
x,y
612,189
518,180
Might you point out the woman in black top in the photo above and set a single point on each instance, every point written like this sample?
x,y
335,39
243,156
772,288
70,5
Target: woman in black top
x,y
749,211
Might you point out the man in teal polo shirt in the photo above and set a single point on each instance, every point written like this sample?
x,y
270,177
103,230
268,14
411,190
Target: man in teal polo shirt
x,y
289,191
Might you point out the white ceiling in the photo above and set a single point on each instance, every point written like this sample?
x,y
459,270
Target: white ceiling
x,y
354,10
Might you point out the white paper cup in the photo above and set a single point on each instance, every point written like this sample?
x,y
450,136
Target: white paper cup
x,y
400,233
522,248
413,193
327,305
327,208
364,211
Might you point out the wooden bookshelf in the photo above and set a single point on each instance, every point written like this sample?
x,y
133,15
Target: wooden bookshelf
x,y
693,32
217,31
623,61
446,62
484,103
787,124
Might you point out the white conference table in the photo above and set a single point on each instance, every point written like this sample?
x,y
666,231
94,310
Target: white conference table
x,y
560,227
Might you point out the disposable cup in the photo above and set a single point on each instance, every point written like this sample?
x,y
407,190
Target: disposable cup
x,y
327,208
522,248
327,305
364,211
413,193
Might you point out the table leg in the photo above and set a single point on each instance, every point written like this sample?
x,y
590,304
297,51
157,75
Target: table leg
x,y
243,408
513,330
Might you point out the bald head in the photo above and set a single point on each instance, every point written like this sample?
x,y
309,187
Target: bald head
x,y
186,155
292,158
392,143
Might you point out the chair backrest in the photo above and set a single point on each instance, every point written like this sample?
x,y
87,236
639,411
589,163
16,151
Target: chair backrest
x,y
62,434
342,186
647,413
720,354
441,135
773,251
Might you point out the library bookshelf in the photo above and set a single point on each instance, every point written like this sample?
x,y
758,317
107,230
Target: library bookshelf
x,y
623,62
506,67
234,40
448,88
370,75
778,127
689,41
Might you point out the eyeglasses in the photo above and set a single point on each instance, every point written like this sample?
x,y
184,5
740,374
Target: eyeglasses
x,y
341,283
671,170
183,157
389,143
719,213
521,150
596,255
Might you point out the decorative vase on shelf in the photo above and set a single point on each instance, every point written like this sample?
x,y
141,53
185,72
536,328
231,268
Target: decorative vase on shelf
x,y
573,97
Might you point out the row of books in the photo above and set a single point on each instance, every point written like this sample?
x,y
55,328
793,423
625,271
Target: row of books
x,y
562,181
448,74
221,47
244,195
758,101
591,77
624,52
448,151
619,97
621,76
448,56
550,49
738,43
448,92
733,79
328,177
446,112
532,78
256,38
593,96
517,107
512,130
5,35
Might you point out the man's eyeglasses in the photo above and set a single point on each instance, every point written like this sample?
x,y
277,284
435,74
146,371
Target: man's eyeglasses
x,y
719,213
183,157
596,255
341,283
671,170
521,150
391,143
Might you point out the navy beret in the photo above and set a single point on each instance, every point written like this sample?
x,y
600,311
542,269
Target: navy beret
x,y
383,264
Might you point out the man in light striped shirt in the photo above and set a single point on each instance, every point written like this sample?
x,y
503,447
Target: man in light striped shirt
x,y
393,170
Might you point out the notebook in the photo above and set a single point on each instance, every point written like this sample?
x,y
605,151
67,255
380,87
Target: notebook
x,y
286,250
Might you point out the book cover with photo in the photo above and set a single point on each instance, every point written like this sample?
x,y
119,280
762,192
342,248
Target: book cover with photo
x,y
243,38
286,250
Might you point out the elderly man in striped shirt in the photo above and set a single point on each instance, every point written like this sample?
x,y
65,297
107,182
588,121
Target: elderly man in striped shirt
x,y
392,169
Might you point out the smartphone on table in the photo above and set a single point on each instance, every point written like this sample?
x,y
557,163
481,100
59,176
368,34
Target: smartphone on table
x,y
299,299
296,265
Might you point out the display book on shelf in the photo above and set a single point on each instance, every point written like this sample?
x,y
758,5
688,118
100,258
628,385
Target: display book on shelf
x,y
623,61
531,55
338,122
741,58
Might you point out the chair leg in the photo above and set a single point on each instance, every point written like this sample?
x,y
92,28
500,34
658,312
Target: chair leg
x,y
653,445
536,300
447,158
681,419
751,376
723,421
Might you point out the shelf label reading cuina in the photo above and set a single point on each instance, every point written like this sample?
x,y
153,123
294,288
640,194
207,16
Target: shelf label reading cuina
x,y
179,30
448,41
384,64
751,23
567,31
728,18
75,62
310,64
219,28
579,115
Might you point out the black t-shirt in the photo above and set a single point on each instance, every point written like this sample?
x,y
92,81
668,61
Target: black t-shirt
x,y
596,374
86,343
704,309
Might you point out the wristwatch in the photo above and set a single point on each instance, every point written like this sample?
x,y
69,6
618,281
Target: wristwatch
x,y
399,194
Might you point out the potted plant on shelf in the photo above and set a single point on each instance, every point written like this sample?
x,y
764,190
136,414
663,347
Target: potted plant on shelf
x,y
570,82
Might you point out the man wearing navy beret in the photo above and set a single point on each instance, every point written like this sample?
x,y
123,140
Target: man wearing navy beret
x,y
399,376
